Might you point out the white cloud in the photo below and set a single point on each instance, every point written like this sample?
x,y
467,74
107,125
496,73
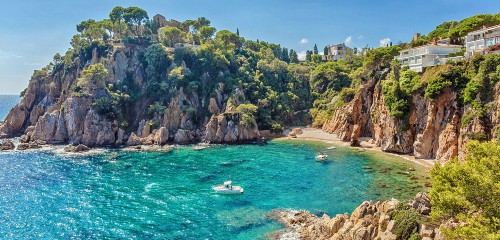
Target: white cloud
x,y
304,41
348,41
302,55
383,42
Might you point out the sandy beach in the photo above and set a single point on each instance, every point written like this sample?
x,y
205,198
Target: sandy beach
x,y
314,134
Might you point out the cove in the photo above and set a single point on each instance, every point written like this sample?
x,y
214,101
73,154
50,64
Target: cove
x,y
159,195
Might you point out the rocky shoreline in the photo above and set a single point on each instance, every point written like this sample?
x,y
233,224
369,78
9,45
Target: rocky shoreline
x,y
368,221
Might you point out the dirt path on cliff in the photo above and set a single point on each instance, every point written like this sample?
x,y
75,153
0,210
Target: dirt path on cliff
x,y
315,134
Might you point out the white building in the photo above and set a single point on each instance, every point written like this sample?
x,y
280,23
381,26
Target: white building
x,y
418,58
477,42
336,52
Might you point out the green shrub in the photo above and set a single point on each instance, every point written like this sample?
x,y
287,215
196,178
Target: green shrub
x,y
104,107
468,192
406,222
414,236
460,53
347,94
247,113
436,86
396,99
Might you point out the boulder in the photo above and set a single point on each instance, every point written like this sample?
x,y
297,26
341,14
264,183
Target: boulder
x,y
121,137
22,146
162,136
183,136
297,131
422,203
25,146
134,140
7,145
25,138
76,149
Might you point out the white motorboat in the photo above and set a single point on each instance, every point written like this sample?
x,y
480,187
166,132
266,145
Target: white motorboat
x,y
200,147
321,157
331,148
228,188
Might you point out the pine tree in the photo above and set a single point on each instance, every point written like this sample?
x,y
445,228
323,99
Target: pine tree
x,y
325,51
284,55
308,55
238,32
294,58
315,49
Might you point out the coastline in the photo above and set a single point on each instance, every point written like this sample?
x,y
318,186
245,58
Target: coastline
x,y
314,134
308,134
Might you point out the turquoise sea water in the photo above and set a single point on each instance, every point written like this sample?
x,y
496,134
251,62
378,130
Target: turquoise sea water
x,y
168,195
6,103
121,194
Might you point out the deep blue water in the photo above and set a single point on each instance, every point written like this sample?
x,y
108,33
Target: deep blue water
x,y
6,103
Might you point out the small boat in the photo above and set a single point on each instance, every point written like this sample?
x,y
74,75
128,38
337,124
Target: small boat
x,y
321,157
198,148
331,148
228,188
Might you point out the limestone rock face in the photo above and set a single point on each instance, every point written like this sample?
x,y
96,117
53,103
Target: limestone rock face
x,y
432,129
227,128
440,136
184,137
121,137
162,136
14,121
367,116
46,127
98,130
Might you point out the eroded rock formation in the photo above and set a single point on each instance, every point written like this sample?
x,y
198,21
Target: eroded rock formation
x,y
368,221
52,112
432,129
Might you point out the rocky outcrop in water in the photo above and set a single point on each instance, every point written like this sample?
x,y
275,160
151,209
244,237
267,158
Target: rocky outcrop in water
x,y
52,111
7,145
368,221
76,149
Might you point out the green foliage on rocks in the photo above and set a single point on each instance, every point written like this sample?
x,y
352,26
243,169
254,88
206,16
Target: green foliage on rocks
x,y
92,80
469,192
473,23
406,222
247,111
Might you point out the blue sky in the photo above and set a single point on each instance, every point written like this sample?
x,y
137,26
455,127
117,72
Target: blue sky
x,y
32,31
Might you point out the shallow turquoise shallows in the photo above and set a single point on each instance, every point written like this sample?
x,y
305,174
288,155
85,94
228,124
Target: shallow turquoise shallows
x,y
120,194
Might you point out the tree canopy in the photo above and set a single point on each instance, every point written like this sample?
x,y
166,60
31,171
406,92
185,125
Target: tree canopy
x,y
469,192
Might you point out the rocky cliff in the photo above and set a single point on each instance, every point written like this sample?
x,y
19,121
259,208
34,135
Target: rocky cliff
x,y
433,128
52,111
368,221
